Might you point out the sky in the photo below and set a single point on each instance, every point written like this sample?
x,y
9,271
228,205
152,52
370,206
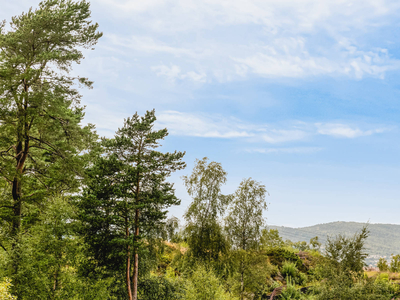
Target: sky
x,y
301,95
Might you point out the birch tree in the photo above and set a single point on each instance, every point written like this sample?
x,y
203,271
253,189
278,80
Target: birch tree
x,y
245,220
203,230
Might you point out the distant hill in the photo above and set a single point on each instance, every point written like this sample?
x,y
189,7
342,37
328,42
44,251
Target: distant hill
x,y
382,242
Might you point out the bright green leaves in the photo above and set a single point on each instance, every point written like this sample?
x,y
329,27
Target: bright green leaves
x,y
204,185
245,217
204,232
347,254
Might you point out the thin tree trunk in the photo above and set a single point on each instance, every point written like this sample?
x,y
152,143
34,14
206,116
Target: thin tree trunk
x,y
136,233
136,266
241,281
21,153
17,205
128,265
16,187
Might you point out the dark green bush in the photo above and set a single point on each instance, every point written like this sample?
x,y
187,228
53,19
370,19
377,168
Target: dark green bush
x,y
278,256
160,288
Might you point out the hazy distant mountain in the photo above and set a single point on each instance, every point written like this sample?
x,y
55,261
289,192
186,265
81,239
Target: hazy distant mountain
x,y
383,240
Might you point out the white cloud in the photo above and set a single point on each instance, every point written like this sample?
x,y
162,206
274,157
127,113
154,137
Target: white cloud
x,y
215,126
173,73
294,150
147,44
282,135
296,15
230,40
345,131
290,58
186,124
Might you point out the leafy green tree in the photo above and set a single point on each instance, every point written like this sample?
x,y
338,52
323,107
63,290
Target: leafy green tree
x,y
395,263
127,195
51,254
203,231
315,243
382,264
204,285
343,266
245,219
271,239
347,254
171,227
41,138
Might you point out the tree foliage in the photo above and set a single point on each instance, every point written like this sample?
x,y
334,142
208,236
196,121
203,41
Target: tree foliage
x,y
127,195
348,254
41,138
204,231
43,146
245,217
245,220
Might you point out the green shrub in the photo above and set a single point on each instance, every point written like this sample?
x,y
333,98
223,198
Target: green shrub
x,y
382,264
382,277
204,285
278,256
159,288
395,263
289,270
302,278
366,289
291,292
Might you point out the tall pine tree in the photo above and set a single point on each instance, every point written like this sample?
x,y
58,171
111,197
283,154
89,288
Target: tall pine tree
x,y
41,138
127,196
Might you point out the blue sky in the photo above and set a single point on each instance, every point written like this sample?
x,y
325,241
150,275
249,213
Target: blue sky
x,y
302,95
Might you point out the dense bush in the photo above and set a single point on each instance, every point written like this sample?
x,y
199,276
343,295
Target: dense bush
x,y
278,256
289,270
204,285
159,288
366,289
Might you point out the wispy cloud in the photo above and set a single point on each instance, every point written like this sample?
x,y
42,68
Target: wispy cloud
x,y
199,125
148,45
297,15
289,38
174,72
291,58
215,126
274,136
345,131
293,150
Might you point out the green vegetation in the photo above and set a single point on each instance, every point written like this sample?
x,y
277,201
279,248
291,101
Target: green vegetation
x,y
383,241
85,218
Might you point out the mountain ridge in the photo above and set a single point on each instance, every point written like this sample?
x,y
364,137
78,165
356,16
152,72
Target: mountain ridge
x,y
384,239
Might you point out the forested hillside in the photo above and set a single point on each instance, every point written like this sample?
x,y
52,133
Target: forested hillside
x,y
384,239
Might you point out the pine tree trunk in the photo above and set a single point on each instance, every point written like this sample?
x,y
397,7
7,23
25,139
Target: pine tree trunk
x,y
136,264
128,265
16,187
241,281
21,154
17,205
